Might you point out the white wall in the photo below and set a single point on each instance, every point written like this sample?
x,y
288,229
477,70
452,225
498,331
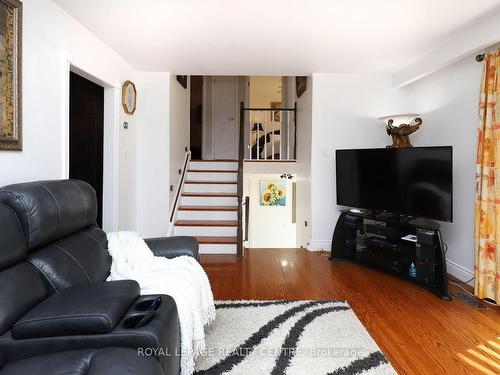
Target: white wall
x,y
345,112
207,150
270,227
179,130
345,109
52,41
303,164
475,38
153,158
264,90
448,102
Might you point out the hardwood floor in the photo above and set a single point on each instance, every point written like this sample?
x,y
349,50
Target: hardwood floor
x,y
419,333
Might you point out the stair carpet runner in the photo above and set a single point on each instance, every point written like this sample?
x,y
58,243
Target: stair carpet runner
x,y
209,206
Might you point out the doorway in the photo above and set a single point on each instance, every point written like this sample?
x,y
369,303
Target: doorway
x,y
86,134
196,117
225,129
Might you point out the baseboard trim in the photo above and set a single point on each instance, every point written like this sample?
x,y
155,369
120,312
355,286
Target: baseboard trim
x,y
459,271
319,245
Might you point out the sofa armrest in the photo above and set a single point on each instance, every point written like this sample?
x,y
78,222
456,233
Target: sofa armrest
x,y
172,247
84,309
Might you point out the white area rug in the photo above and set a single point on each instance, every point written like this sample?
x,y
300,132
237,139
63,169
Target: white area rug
x,y
289,337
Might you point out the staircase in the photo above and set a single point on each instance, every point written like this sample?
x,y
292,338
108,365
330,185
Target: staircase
x,y
209,206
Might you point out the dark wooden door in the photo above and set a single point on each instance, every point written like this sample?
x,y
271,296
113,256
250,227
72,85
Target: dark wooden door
x,y
86,134
196,118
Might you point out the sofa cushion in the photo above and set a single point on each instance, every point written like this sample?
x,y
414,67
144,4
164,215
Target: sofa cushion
x,y
109,361
12,243
86,309
172,247
81,258
51,210
21,288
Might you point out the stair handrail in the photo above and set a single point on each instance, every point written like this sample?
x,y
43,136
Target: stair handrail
x,y
247,217
241,156
173,211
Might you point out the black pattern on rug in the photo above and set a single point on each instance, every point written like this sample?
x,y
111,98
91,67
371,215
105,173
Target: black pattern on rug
x,y
285,338
290,343
363,364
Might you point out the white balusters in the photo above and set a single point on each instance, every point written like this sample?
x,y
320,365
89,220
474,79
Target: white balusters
x,y
262,124
265,134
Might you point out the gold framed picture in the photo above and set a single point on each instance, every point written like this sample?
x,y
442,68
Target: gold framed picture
x,y
301,85
10,75
276,115
129,97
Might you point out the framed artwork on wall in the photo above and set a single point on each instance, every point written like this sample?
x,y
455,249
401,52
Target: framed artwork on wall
x,y
272,193
275,115
301,85
10,75
129,97
183,80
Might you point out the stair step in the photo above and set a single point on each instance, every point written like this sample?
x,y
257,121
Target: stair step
x,y
225,165
213,176
207,215
212,171
213,228
228,187
216,240
206,223
218,248
211,182
196,194
208,208
214,161
207,199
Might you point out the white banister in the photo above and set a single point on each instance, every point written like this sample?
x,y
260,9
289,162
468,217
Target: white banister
x,y
262,124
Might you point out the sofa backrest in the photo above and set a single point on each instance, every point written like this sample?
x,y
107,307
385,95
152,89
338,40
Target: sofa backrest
x,y
21,285
58,222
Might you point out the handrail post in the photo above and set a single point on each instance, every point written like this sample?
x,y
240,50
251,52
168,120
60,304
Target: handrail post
x,y
241,152
247,216
295,131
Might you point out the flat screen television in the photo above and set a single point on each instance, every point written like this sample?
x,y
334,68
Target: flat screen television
x,y
413,181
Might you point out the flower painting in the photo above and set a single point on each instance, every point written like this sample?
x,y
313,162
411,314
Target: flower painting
x,y
273,193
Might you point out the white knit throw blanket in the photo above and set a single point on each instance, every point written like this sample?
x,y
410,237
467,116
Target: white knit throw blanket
x,y
182,278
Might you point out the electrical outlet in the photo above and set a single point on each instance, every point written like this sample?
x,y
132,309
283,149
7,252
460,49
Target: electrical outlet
x,y
306,223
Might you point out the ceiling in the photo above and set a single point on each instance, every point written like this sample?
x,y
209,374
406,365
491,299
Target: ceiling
x,y
274,37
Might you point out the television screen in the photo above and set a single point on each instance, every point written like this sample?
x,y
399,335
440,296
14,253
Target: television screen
x,y
411,181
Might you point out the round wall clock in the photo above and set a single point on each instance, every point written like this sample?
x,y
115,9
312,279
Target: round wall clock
x,y
129,97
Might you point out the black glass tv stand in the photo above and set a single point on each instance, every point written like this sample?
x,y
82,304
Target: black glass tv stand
x,y
407,247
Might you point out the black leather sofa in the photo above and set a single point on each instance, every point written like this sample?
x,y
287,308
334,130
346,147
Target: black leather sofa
x,y
58,315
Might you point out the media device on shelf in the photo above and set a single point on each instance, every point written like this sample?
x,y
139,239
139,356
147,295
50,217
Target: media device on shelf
x,y
395,195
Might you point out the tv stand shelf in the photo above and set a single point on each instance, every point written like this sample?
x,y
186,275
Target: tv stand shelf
x,y
375,240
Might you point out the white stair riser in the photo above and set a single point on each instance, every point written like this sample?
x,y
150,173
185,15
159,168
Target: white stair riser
x,y
217,248
205,231
210,188
209,201
214,166
212,176
207,215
